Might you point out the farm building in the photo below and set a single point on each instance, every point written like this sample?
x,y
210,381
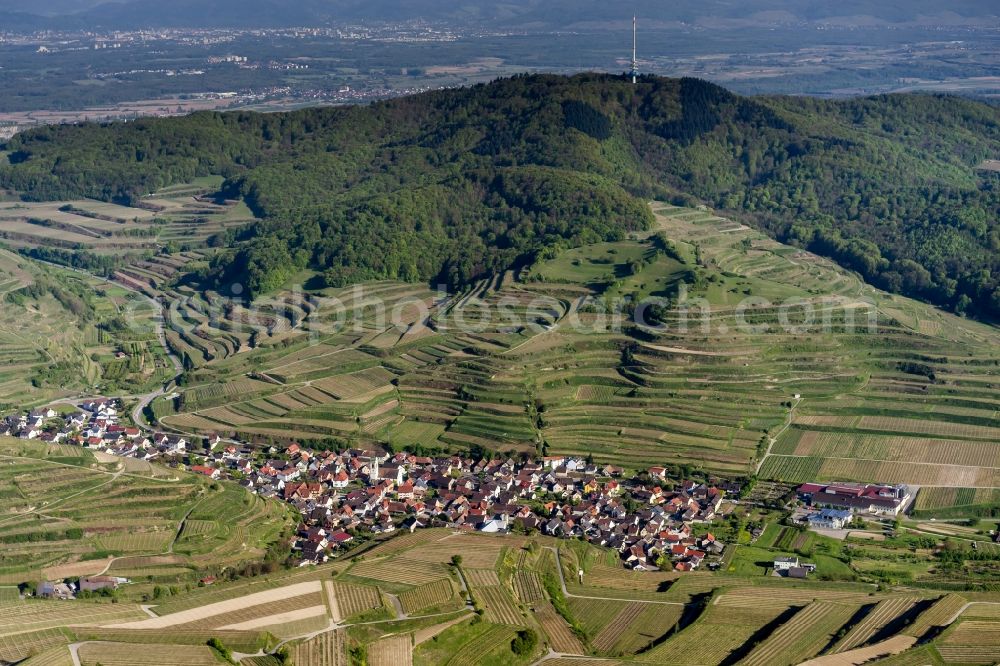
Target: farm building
x,y
94,583
53,590
857,497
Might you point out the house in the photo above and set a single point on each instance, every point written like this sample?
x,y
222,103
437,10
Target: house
x,y
53,590
785,563
172,444
831,519
498,523
340,538
413,523
210,472
313,553
552,462
389,473
101,406
792,568
340,480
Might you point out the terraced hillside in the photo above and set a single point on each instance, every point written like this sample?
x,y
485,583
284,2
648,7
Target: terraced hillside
x,y
63,332
907,396
762,358
329,614
182,215
65,513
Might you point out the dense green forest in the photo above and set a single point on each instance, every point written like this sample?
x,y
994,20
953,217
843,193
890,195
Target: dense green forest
x,y
456,184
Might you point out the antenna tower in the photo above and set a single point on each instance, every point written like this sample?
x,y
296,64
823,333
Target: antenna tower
x,y
635,63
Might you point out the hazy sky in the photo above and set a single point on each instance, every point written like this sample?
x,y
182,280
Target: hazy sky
x,y
541,12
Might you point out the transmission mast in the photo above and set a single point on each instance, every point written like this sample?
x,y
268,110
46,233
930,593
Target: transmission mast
x,y
635,63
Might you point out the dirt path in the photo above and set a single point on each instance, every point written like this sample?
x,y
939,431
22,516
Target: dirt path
x,y
400,615
772,440
552,654
696,352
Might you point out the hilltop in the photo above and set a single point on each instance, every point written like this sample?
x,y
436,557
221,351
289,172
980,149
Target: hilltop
x,y
456,185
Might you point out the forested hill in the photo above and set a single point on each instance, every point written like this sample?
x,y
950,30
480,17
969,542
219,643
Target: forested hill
x,y
456,184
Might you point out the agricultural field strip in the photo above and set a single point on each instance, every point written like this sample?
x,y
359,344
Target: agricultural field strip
x,y
121,654
883,613
326,649
431,594
220,607
865,655
278,618
617,626
500,608
354,599
391,651
561,636
27,617
879,460
472,652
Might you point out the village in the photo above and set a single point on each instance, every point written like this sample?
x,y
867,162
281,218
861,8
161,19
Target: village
x,y
354,495
349,497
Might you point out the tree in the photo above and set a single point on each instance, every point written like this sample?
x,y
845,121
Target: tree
x,y
524,642
220,649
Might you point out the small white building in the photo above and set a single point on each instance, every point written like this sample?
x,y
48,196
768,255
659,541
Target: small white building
x,y
785,563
